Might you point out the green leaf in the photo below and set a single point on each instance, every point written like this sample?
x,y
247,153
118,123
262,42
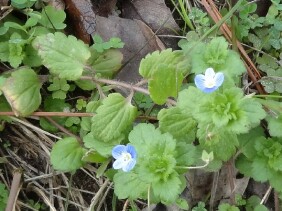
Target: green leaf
x,y
53,18
104,149
176,122
70,121
20,4
31,57
3,196
4,51
265,163
86,85
22,91
222,143
182,204
63,56
4,106
172,184
230,110
16,53
190,99
261,207
200,207
165,82
144,137
227,207
14,25
54,105
100,46
129,185
275,125
93,157
113,117
248,140
59,88
165,71
152,61
66,155
106,63
217,56
252,202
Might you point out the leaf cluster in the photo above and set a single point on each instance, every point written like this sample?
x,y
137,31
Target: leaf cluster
x,y
156,169
165,72
261,159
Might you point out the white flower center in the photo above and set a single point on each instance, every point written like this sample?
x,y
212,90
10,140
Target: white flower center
x,y
209,82
126,157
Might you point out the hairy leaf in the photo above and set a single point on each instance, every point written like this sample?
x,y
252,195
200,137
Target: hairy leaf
x,y
113,117
53,18
66,155
129,185
176,122
63,56
106,63
22,91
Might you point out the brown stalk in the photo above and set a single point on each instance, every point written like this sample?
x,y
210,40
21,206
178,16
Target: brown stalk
x,y
15,189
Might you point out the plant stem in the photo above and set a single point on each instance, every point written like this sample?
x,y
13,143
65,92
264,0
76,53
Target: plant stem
x,y
193,167
231,180
124,85
15,189
270,96
45,114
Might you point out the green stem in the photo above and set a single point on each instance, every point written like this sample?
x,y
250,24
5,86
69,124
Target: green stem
x,y
268,96
124,85
193,167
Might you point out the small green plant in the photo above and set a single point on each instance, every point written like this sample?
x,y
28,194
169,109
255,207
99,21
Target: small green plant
x,y
3,196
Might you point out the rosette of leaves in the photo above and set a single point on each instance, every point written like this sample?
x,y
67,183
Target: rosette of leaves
x,y
216,55
165,72
261,159
221,116
156,170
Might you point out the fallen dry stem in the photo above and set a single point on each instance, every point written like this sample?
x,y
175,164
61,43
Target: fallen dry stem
x,y
15,189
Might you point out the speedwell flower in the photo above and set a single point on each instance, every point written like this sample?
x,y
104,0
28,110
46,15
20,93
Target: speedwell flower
x,y
125,157
210,81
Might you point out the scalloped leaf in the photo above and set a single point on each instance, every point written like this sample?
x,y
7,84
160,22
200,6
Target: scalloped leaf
x,y
107,62
22,91
152,61
113,117
67,154
176,122
165,82
63,55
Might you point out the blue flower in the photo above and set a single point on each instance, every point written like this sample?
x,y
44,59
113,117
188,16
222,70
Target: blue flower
x,y
210,81
125,157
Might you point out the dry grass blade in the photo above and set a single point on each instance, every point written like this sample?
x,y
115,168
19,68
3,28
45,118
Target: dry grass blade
x,y
29,149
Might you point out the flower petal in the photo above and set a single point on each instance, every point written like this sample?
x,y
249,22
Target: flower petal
x,y
219,78
129,165
209,73
200,81
131,150
119,163
209,90
118,150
